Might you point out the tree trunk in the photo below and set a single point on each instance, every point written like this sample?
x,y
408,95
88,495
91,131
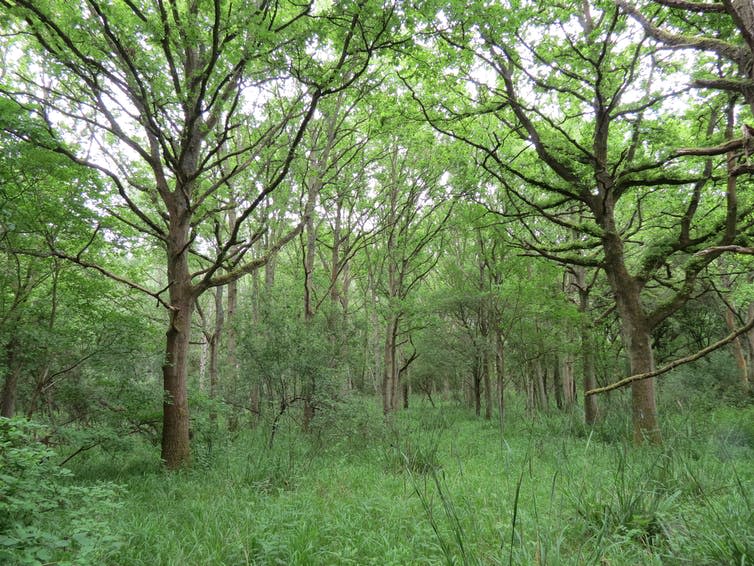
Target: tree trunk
x,y
175,422
557,384
643,404
390,366
637,341
214,346
569,388
738,352
540,386
489,371
591,407
309,381
231,339
500,371
176,451
8,399
477,384
635,330
750,342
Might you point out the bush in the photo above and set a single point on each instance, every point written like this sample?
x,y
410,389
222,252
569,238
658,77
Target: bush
x,y
43,517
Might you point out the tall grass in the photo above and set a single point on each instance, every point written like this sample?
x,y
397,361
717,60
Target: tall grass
x,y
438,486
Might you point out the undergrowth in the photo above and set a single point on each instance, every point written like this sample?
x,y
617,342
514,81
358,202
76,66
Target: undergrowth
x,y
439,486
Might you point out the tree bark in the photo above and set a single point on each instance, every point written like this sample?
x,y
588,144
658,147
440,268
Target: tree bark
x,y
557,384
738,352
489,371
214,347
176,450
591,407
390,366
500,372
310,232
10,386
637,341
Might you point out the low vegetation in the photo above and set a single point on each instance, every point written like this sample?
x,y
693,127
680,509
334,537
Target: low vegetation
x,y
436,486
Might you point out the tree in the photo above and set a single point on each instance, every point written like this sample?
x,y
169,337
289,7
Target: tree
x,y
38,207
569,120
415,205
177,100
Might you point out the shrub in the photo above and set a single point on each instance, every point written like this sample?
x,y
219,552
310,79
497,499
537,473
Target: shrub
x,y
43,517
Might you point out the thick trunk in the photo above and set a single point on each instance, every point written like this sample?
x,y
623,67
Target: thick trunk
x,y
643,404
175,421
635,331
176,450
637,342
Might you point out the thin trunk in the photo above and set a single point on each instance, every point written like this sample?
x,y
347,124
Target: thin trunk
x,y
214,346
569,388
269,273
203,361
489,371
591,407
256,386
557,384
310,233
231,339
738,352
500,371
44,372
750,336
476,391
13,364
530,387
540,385
389,366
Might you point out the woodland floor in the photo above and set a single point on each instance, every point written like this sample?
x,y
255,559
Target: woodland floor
x,y
440,486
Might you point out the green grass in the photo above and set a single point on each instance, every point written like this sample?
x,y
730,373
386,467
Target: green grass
x,y
442,487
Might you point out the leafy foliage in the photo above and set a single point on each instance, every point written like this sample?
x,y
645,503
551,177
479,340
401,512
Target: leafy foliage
x,y
44,517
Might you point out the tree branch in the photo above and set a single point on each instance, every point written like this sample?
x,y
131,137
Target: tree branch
x,y
674,364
